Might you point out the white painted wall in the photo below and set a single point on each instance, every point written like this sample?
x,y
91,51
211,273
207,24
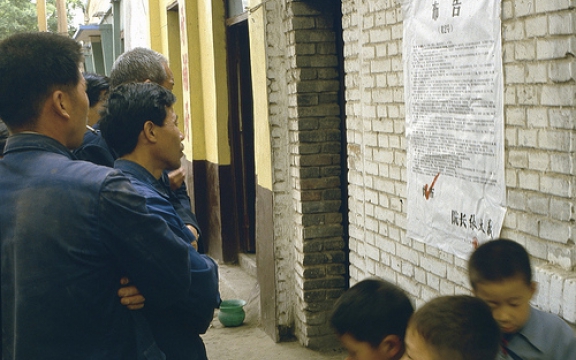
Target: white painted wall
x,y
136,24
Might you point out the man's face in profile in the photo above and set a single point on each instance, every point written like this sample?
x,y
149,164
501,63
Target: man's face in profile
x,y
169,137
78,113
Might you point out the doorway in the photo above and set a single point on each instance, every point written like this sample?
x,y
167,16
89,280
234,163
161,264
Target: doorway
x,y
241,132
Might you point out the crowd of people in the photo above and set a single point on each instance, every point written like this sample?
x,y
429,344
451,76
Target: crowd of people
x,y
99,244
99,259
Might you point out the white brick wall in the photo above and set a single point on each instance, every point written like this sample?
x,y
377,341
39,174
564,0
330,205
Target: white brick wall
x,y
283,250
539,44
556,291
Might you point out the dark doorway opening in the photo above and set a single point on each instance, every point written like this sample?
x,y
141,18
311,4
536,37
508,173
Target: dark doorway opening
x,y
242,132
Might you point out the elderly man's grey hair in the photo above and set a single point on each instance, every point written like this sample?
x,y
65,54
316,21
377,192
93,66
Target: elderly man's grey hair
x,y
138,65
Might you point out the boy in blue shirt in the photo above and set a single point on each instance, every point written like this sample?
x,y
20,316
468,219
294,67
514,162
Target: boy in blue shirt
x,y
500,274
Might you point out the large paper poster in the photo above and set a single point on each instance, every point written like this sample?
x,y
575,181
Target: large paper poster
x,y
454,122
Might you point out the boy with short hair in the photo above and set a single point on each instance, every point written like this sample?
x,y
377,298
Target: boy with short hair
x,y
501,275
452,327
370,320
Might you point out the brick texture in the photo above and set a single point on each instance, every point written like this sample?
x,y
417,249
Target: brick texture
x,y
315,146
311,264
540,112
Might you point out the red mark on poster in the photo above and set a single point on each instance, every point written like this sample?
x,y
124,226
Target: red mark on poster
x,y
428,189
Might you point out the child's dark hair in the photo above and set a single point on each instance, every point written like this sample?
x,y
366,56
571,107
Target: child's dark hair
x,y
371,310
458,328
498,260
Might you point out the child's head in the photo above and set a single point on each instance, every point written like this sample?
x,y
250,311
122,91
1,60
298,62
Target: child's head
x,y
370,320
452,327
500,274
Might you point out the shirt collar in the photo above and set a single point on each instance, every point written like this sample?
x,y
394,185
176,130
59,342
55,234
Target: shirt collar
x,y
533,331
138,171
27,141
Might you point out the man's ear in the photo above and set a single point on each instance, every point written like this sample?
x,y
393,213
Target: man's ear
x,y
149,131
60,103
391,346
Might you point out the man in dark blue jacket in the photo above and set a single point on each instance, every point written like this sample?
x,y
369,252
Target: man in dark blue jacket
x,y
142,65
140,125
69,230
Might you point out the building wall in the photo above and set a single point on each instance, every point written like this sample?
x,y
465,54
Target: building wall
x,y
204,64
539,44
274,212
314,121
133,12
299,210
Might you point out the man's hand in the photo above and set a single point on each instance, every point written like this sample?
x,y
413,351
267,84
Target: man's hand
x,y
194,244
130,296
195,232
176,178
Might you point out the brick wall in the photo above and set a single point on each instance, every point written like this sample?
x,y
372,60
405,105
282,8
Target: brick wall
x,y
539,45
304,113
277,65
315,141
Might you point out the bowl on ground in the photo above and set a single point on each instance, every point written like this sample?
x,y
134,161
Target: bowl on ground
x,y
232,312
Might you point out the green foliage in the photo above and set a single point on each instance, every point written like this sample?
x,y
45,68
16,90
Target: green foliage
x,y
20,15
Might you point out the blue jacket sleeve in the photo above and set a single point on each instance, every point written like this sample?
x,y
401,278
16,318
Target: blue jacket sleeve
x,y
153,257
181,202
204,295
195,313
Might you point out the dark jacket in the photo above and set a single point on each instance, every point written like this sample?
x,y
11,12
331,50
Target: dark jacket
x,y
177,328
69,230
95,149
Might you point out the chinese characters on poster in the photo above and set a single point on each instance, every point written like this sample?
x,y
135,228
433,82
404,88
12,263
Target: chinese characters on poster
x,y
454,122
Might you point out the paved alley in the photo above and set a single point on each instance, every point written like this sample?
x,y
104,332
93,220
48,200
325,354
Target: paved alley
x,y
248,341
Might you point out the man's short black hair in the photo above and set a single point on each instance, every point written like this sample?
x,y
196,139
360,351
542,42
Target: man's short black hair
x,y
458,327
498,260
32,66
129,107
95,84
371,310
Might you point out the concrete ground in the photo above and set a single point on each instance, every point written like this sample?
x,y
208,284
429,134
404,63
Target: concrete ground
x,y
248,341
